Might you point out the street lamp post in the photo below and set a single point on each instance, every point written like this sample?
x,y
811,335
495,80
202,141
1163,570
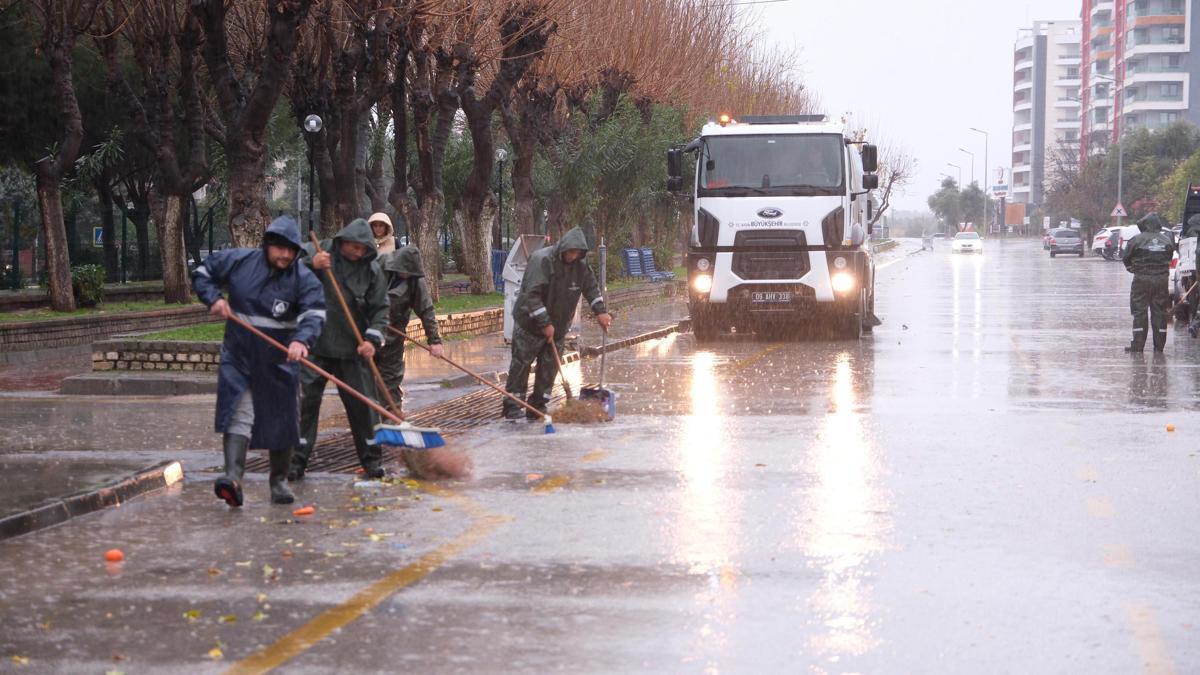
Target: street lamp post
x,y
312,124
959,173
972,162
1120,145
986,180
501,156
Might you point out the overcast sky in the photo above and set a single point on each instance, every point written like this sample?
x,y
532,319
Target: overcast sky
x,y
919,73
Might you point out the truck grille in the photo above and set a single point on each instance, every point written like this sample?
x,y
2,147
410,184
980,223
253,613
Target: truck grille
x,y
765,263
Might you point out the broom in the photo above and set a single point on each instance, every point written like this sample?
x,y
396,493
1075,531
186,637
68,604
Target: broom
x,y
574,410
402,433
546,419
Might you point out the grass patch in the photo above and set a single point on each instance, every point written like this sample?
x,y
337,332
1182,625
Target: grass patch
x,y
205,332
457,304
108,308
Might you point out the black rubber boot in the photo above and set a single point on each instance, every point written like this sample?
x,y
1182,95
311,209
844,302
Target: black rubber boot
x,y
280,460
229,486
296,467
372,463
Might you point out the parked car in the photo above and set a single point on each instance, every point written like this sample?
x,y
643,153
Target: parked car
x,y
1100,241
967,242
1065,240
1127,232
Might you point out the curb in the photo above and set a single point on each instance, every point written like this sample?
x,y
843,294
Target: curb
x,y
60,510
113,384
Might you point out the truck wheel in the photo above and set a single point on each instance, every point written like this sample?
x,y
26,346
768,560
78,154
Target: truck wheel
x,y
854,322
704,327
868,324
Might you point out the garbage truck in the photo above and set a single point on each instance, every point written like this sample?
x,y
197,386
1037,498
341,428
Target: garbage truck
x,y
1185,293
779,235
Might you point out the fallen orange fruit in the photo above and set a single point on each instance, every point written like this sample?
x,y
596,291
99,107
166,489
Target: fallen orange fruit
x,y
304,511
1170,427
114,555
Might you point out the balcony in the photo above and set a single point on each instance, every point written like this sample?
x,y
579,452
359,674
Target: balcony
x,y
1023,64
1155,105
1069,103
1070,82
1022,126
1102,7
1023,85
1023,106
1024,147
1067,123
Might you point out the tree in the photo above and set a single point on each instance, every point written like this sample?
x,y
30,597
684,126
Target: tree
x,y
246,76
63,21
896,169
946,203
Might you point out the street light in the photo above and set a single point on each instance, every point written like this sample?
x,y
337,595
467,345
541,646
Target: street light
x,y
312,124
501,156
1120,145
986,180
959,172
972,162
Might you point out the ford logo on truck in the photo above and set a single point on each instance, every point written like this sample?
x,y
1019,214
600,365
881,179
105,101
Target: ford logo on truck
x,y
770,212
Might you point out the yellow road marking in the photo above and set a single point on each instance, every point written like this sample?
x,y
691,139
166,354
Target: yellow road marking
x,y
739,366
1088,475
1119,556
551,484
595,455
1150,643
303,638
1099,507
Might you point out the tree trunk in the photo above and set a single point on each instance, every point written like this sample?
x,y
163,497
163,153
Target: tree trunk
x,y
248,212
109,239
139,215
425,237
169,214
475,234
58,267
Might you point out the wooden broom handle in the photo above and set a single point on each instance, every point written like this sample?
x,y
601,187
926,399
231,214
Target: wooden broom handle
x,y
337,290
315,368
472,373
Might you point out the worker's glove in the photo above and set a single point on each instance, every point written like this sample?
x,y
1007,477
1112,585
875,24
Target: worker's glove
x,y
437,350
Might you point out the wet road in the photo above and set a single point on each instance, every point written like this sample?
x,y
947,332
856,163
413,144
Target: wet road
x,y
985,485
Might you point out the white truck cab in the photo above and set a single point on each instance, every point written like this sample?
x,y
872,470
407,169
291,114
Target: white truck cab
x,y
779,235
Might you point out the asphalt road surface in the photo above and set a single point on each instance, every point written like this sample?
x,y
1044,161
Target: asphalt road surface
x,y
986,484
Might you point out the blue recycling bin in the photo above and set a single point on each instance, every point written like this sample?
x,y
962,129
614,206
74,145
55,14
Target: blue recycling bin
x,y
498,258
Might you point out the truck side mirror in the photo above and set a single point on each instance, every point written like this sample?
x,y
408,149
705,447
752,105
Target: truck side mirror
x,y
674,162
870,209
870,181
870,158
675,184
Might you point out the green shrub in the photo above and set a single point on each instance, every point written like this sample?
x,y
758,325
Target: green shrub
x,y
87,284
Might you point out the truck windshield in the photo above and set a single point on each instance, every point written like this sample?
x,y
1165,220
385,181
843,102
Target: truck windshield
x,y
777,164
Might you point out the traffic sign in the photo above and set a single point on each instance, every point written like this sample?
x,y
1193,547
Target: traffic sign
x,y
1119,212
97,237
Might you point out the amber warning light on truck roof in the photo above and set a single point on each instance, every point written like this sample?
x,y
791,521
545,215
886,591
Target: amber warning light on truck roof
x,y
723,119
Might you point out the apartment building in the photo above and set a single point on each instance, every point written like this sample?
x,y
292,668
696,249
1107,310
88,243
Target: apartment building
x,y
1047,76
1138,68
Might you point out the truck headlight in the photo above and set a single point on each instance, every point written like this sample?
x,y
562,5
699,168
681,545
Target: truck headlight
x,y
703,264
702,283
842,282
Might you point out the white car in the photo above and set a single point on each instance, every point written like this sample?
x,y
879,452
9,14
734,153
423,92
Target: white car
x,y
1101,239
967,242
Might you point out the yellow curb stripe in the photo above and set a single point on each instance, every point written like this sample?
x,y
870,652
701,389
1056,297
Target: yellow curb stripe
x,y
1150,643
595,456
303,638
551,484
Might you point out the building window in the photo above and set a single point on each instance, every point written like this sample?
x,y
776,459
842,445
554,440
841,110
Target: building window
x,y
1173,35
1073,73
1165,118
1172,91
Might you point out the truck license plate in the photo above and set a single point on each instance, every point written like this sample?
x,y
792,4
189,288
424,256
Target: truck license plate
x,y
771,296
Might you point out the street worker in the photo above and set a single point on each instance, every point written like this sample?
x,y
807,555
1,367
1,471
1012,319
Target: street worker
x,y
385,234
554,279
351,257
1148,257
408,294
257,384
1192,229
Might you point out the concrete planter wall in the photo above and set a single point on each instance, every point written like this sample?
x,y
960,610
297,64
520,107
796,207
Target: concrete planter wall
x,y
27,335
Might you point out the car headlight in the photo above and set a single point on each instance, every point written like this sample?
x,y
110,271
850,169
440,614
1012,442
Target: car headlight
x,y
702,283
842,282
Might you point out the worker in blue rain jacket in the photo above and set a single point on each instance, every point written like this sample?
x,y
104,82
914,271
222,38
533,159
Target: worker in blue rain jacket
x,y
258,386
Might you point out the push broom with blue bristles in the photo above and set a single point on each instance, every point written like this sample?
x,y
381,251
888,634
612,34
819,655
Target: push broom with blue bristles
x,y
547,421
400,434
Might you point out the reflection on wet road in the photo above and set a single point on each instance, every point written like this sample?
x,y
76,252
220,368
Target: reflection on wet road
x,y
986,484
